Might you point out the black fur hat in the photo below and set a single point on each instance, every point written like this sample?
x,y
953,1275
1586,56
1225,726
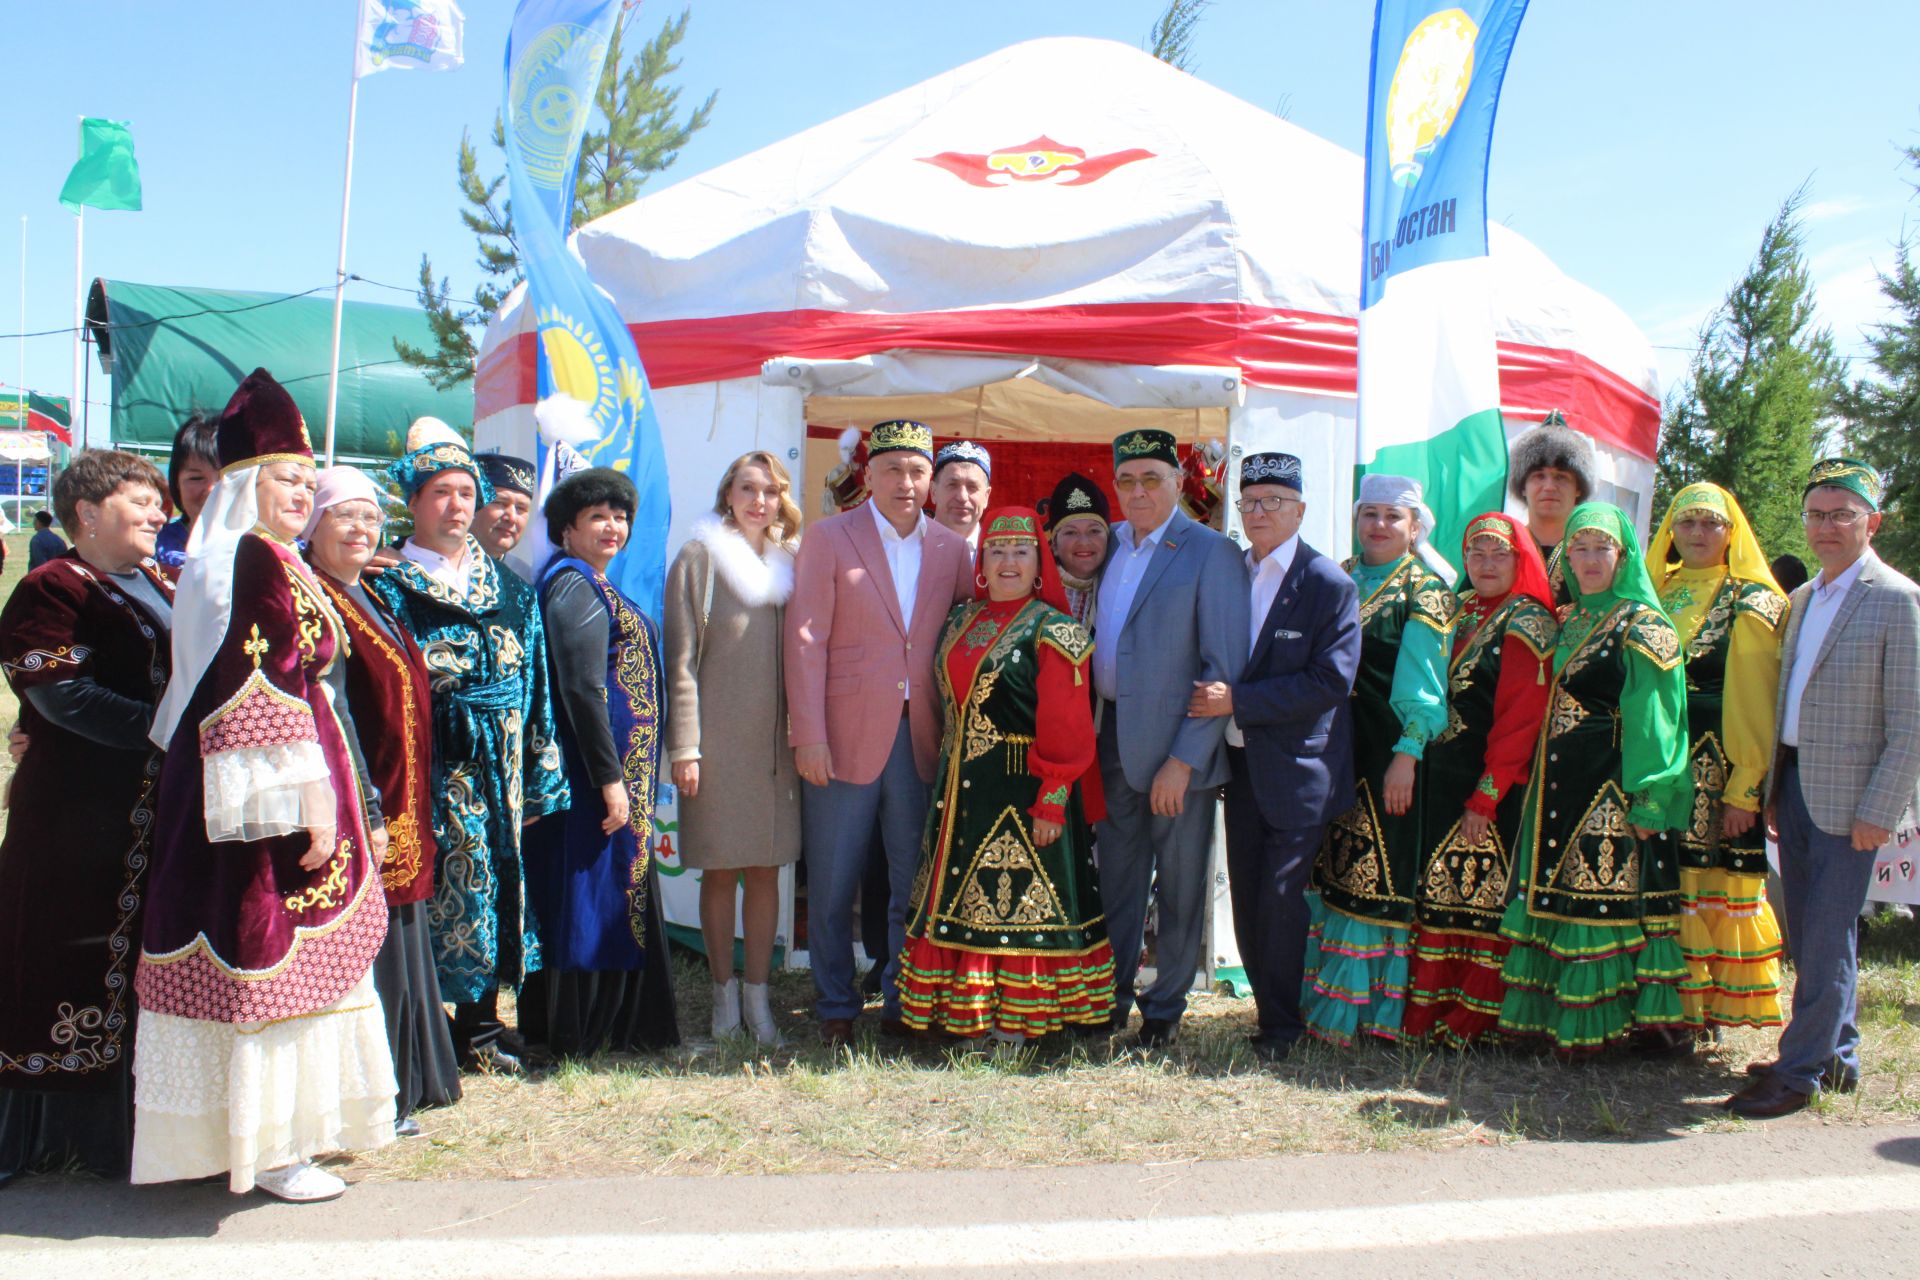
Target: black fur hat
x,y
1551,444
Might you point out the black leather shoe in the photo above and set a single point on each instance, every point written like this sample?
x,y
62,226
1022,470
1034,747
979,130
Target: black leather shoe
x,y
1766,1099
1157,1033
1835,1079
492,1060
1272,1048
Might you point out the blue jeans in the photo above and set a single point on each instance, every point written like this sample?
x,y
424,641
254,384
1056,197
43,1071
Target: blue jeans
x,y
838,822
1825,880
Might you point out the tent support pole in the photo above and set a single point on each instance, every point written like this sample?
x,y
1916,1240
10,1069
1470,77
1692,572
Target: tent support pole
x,y
340,264
79,308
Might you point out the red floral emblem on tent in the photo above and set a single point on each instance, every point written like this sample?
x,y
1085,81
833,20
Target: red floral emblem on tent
x,y
1042,160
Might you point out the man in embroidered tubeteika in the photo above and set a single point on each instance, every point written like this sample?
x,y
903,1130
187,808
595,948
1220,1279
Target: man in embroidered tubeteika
x,y
496,763
1290,739
1171,611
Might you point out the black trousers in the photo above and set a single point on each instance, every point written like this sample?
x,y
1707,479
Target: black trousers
x,y
476,1024
1267,870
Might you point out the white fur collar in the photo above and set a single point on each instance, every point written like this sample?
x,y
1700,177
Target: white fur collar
x,y
757,580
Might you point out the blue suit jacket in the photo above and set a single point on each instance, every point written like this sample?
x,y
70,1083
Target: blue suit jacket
x,y
1294,703
1188,622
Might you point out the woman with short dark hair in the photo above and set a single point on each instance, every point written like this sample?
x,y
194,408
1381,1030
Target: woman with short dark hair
x,y
192,471
604,981
83,642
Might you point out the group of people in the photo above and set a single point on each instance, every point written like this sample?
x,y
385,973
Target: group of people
x,y
309,788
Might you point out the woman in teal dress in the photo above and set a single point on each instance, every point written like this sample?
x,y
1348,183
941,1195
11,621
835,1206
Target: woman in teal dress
x,y
1595,927
1362,892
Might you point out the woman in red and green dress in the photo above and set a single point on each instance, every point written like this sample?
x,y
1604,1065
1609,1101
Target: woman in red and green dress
x,y
1476,773
1006,935
1595,926
1730,614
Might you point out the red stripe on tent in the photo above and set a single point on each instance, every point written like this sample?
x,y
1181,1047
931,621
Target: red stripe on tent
x,y
1284,350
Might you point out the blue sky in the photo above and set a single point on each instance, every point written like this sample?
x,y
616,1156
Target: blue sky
x,y
1642,145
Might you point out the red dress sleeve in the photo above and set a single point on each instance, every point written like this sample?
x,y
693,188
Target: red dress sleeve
x,y
1063,741
1519,705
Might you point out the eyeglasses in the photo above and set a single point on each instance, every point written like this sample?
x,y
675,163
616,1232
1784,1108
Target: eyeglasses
x,y
1127,484
1844,518
344,519
1248,506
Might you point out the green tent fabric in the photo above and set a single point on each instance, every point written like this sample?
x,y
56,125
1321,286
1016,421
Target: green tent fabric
x,y
173,351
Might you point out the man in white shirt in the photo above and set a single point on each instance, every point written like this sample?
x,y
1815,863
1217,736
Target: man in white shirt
x,y
1289,743
1844,775
870,596
962,485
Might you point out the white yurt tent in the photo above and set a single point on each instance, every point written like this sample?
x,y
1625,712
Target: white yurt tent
x,y
1050,243
1042,248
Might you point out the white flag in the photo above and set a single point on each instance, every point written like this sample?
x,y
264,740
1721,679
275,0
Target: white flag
x,y
406,34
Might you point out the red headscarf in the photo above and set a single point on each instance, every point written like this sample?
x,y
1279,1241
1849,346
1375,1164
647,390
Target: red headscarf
x,y
1529,573
1022,524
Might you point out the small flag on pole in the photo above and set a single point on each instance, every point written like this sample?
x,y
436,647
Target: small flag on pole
x,y
106,176
408,35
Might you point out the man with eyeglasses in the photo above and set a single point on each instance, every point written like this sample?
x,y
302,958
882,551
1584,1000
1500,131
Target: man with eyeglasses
x,y
1845,771
1171,614
1289,741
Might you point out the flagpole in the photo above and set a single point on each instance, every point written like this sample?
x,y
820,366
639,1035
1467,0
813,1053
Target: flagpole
x,y
340,265
18,466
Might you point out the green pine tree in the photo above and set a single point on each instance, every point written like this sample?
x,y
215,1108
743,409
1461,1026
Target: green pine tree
x,y
1883,408
1760,393
1171,39
637,131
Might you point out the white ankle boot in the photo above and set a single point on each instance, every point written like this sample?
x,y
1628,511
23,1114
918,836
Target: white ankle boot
x,y
760,1015
726,1008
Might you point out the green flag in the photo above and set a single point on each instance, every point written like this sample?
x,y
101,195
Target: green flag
x,y
106,176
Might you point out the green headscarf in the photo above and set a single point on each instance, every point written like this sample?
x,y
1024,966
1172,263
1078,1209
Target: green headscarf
x,y
1630,580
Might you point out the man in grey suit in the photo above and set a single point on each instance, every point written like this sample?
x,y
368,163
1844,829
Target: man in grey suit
x,y
1171,616
1846,770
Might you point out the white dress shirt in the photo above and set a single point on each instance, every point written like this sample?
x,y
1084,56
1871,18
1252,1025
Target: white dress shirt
x,y
455,575
1267,575
1119,582
903,561
1816,620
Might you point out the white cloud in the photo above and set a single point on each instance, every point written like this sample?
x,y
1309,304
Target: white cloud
x,y
1828,210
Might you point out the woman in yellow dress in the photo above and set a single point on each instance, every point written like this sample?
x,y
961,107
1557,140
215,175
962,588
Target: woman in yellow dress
x,y
1714,583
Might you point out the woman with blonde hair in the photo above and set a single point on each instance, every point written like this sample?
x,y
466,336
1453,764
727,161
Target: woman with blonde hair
x,y
726,733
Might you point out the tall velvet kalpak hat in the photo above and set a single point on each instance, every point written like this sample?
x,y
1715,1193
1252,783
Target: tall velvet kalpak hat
x,y
1075,495
1851,474
1145,442
504,471
900,436
433,447
261,424
1552,444
963,451
1271,468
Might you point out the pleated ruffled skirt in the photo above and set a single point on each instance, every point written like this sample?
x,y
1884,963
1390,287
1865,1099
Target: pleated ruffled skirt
x,y
970,993
1732,946
237,1098
1581,986
1354,982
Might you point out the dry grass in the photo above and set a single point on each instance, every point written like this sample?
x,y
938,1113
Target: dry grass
x,y
727,1110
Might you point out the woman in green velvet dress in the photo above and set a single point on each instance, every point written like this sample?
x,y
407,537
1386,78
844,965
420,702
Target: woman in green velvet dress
x,y
1360,900
1595,927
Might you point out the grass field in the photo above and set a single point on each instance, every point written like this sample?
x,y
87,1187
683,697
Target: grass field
x,y
706,1109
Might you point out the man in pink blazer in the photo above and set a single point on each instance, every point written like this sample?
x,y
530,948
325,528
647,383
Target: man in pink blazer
x,y
871,592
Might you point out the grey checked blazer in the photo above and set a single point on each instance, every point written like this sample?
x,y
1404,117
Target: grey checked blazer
x,y
1860,714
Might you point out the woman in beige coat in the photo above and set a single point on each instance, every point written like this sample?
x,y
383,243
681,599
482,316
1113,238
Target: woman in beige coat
x,y
726,732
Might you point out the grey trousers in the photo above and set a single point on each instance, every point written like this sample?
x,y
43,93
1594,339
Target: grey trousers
x,y
1143,855
1826,881
838,821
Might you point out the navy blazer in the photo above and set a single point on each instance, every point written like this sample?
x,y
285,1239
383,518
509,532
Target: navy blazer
x,y
1294,703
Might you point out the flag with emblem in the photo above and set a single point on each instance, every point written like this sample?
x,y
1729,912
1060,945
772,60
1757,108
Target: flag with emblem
x,y
1429,371
594,396
406,35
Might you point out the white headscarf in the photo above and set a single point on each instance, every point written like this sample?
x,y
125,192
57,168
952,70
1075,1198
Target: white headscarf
x,y
1403,491
338,485
203,602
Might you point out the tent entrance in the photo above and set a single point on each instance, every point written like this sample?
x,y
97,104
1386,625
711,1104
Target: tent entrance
x,y
1041,418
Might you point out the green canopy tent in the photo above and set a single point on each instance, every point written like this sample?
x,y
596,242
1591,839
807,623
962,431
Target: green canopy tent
x,y
173,351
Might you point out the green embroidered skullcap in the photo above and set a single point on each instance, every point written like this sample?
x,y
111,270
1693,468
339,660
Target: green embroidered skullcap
x,y
1851,474
1146,442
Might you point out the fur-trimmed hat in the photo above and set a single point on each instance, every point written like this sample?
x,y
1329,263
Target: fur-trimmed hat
x,y
1551,444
